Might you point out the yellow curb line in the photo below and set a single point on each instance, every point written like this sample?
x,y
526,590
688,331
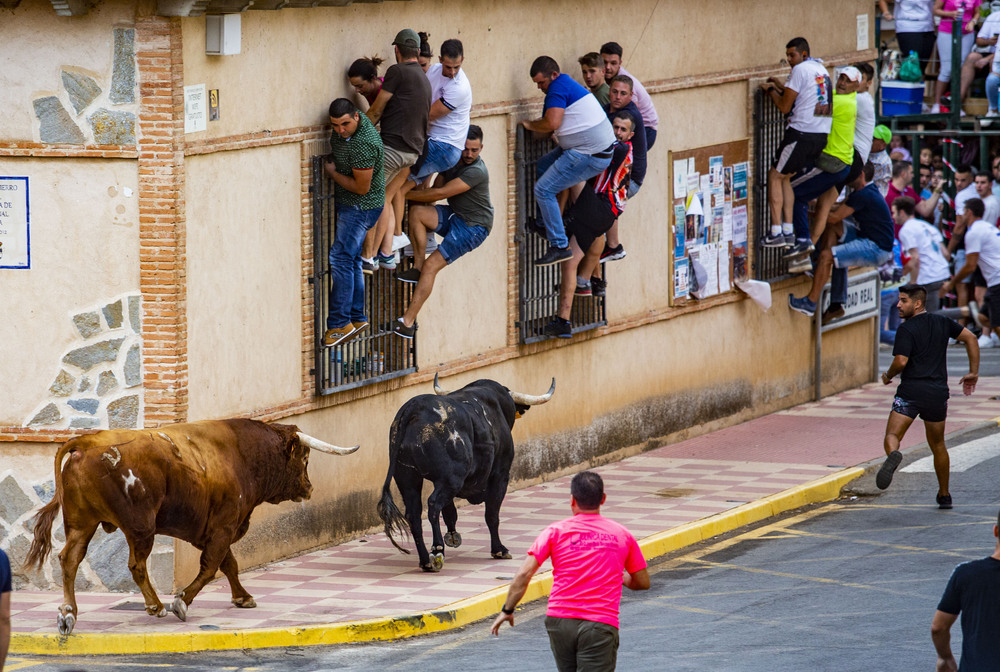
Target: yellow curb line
x,y
454,615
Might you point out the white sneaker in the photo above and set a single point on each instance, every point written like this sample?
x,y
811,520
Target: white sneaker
x,y
995,339
399,242
985,342
935,109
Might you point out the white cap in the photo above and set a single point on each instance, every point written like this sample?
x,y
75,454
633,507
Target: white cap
x,y
851,73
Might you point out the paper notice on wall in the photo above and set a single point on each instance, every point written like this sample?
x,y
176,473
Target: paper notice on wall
x,y
705,187
727,222
680,224
724,262
740,224
681,285
15,249
740,181
195,108
680,178
693,180
862,32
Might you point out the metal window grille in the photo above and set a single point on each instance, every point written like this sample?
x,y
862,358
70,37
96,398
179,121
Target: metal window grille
x,y
377,354
539,286
769,128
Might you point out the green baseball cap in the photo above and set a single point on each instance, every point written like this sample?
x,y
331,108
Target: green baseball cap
x,y
407,37
882,133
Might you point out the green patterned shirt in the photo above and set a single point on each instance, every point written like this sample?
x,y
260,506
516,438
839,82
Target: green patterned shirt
x,y
363,151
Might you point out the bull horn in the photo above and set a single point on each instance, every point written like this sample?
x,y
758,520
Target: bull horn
x,y
532,399
437,388
323,446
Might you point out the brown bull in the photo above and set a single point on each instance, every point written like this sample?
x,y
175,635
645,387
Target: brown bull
x,y
199,482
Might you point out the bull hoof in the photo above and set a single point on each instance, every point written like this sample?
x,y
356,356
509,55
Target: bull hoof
x,y
157,610
502,555
65,623
179,608
453,539
433,566
244,602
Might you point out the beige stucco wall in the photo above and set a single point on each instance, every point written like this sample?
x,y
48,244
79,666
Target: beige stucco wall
x,y
294,62
84,252
244,280
85,45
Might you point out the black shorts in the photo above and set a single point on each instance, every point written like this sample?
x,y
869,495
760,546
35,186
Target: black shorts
x,y
588,218
991,304
929,410
797,150
977,279
857,165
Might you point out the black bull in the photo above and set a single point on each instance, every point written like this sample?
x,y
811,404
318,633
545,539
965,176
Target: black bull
x,y
461,442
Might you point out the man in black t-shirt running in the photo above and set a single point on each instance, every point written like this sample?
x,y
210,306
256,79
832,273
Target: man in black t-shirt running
x,y
920,354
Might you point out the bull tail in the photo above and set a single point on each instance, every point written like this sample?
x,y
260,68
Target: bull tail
x,y
41,544
392,518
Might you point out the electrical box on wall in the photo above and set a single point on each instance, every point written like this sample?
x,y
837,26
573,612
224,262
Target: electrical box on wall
x,y
222,34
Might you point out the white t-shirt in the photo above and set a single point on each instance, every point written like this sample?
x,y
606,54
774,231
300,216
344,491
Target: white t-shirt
x,y
456,94
864,125
642,100
991,209
984,238
917,233
914,16
812,111
962,196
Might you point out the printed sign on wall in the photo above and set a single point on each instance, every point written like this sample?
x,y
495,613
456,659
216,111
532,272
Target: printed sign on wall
x,y
15,249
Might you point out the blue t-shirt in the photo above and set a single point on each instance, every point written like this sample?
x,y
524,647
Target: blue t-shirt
x,y
974,591
4,573
873,216
585,126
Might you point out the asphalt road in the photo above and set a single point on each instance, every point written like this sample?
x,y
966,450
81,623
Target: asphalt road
x,y
848,585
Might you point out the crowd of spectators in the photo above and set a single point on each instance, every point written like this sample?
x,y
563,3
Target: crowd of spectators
x,y
842,193
414,142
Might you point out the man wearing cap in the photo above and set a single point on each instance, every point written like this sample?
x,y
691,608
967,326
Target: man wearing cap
x,y
586,144
402,109
879,158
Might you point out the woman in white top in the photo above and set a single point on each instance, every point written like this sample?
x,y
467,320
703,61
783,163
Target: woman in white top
x,y
914,27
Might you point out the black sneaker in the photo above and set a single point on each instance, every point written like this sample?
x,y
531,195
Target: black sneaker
x,y
401,329
598,287
368,266
559,328
613,253
411,275
534,226
555,255
800,250
944,501
583,289
884,476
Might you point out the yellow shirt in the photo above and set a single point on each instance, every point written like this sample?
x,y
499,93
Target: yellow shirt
x,y
840,142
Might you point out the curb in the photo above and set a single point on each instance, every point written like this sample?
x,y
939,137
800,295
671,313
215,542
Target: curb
x,y
454,615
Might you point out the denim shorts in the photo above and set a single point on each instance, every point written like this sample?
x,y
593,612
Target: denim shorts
x,y
458,237
859,252
437,157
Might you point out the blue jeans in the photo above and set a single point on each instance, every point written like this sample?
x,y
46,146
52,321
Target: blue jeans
x,y
459,238
888,316
807,185
347,282
992,87
438,157
558,170
853,251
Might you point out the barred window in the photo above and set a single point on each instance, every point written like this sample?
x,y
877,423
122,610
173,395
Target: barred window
x,y
377,354
538,288
769,128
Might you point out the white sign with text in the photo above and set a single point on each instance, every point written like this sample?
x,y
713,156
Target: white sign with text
x,y
15,248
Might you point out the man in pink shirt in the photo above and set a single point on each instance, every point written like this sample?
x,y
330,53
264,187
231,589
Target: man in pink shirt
x,y
589,555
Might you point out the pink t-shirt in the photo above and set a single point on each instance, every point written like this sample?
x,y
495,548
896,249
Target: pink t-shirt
x,y
588,553
970,10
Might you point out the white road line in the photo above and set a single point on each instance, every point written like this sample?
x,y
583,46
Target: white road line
x,y
963,457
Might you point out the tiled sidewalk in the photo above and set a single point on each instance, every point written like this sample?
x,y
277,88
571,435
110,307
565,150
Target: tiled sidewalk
x,y
649,493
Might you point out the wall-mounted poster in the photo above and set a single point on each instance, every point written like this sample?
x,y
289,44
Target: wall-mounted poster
x,y
15,235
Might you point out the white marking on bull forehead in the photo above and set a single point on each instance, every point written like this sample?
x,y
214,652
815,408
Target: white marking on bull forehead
x,y
455,437
130,480
113,456
441,411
